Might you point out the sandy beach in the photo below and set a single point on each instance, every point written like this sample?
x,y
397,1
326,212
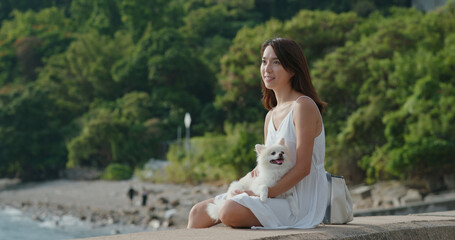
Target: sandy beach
x,y
106,202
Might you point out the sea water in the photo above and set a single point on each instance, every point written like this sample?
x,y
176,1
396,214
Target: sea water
x,y
16,225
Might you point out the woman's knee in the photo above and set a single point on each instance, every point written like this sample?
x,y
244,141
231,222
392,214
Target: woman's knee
x,y
231,214
198,217
197,210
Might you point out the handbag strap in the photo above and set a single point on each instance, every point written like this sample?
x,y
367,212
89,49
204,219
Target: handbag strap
x,y
326,219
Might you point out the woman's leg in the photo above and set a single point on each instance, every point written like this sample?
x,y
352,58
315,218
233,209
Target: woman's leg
x,y
233,214
199,217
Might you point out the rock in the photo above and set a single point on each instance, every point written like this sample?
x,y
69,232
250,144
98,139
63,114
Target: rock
x,y
438,197
163,200
167,223
206,191
5,183
364,203
187,203
129,212
37,218
169,213
387,194
154,223
115,231
411,196
361,192
175,203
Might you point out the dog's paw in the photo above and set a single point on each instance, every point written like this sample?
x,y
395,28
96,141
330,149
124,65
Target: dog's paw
x,y
264,193
263,197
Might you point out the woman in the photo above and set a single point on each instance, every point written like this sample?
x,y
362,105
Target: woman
x,y
295,114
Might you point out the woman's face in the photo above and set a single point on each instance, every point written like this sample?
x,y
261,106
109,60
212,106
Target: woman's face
x,y
273,73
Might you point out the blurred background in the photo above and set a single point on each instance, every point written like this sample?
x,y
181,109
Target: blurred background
x,y
99,89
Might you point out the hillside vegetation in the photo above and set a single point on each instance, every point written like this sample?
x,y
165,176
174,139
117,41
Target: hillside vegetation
x,y
107,83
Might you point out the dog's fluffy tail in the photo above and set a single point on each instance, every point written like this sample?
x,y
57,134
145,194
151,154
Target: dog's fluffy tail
x,y
213,209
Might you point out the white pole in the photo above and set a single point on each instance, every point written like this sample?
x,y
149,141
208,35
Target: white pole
x,y
187,121
179,134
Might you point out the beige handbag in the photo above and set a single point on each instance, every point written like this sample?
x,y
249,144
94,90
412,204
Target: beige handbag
x,y
339,205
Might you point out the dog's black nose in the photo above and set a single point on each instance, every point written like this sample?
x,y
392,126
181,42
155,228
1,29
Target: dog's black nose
x,y
281,154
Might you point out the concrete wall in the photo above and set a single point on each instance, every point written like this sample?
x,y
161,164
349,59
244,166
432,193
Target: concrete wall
x,y
439,225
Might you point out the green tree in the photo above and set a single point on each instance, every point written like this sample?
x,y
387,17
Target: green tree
x,y
83,72
140,15
419,134
317,32
116,132
210,26
177,80
29,38
7,6
31,133
371,77
117,171
100,15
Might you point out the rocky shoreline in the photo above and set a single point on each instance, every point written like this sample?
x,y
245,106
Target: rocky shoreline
x,y
105,203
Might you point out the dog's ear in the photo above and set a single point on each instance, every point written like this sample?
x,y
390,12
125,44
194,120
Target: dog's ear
x,y
259,148
282,142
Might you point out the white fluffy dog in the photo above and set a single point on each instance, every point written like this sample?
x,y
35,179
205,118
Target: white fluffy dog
x,y
272,163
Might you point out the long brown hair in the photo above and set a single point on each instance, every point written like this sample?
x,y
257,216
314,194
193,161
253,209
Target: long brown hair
x,y
293,60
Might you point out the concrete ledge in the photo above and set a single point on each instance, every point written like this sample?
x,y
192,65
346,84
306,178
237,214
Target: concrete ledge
x,y
438,225
446,204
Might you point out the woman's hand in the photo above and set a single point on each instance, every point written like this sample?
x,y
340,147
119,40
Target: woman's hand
x,y
250,193
255,172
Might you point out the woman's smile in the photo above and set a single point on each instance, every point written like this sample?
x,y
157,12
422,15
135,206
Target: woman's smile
x,y
268,78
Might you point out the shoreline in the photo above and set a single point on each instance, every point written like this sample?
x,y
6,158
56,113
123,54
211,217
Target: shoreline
x,y
105,203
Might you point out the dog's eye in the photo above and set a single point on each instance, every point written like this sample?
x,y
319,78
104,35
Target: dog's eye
x,y
282,152
273,153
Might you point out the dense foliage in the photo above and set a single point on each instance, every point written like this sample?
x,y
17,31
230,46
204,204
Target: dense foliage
x,y
117,171
106,84
216,157
391,89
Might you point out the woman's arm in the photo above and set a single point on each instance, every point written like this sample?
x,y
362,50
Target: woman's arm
x,y
307,126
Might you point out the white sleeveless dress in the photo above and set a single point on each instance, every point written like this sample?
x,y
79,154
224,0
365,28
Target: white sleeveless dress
x,y
311,193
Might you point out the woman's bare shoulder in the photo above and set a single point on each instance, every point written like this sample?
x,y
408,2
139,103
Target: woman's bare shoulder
x,y
306,103
307,116
306,108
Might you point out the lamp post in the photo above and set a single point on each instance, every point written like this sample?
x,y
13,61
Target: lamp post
x,y
187,122
179,134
